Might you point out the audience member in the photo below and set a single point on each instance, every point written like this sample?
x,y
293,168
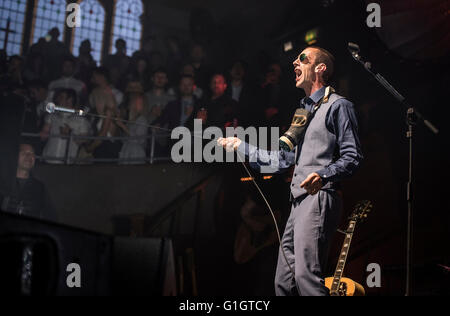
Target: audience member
x,y
202,72
177,112
29,196
220,109
188,70
13,77
271,96
38,93
104,124
57,124
145,52
140,72
119,61
54,52
85,62
156,61
134,149
103,90
158,97
35,68
68,81
241,91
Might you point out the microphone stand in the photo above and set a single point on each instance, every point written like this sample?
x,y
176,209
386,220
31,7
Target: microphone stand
x,y
412,117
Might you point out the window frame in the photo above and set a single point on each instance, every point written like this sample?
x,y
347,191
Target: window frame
x,y
113,18
72,32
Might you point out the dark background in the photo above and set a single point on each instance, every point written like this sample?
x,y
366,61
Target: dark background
x,y
415,62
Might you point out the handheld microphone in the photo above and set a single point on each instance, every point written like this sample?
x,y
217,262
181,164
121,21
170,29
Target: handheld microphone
x,y
300,122
295,133
51,108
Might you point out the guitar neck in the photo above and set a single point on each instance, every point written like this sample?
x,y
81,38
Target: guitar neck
x,y
343,257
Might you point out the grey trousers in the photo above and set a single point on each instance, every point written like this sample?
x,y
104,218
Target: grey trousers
x,y
306,241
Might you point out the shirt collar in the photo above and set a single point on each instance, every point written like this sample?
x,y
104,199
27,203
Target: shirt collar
x,y
315,97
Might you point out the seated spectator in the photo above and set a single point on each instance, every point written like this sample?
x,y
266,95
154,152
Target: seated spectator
x,y
188,70
29,196
271,96
13,77
178,111
240,91
198,60
39,97
137,125
174,53
219,110
63,124
104,124
158,97
68,81
103,88
140,72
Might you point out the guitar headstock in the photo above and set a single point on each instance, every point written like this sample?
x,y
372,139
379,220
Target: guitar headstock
x,y
361,210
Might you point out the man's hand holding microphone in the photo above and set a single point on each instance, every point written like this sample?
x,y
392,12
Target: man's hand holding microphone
x,y
312,184
229,143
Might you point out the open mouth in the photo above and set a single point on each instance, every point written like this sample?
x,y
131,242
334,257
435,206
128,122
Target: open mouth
x,y
298,74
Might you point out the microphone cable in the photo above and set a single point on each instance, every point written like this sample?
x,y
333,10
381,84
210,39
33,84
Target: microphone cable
x,y
242,161
271,213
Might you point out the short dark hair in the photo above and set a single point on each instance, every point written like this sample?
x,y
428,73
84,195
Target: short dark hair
x,y
325,57
70,93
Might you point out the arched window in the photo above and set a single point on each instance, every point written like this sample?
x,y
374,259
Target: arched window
x,y
12,20
127,24
92,26
48,14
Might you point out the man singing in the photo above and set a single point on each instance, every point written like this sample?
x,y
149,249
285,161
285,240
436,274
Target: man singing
x,y
329,152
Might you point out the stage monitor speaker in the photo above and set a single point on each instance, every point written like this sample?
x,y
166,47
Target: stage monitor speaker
x,y
42,258
144,267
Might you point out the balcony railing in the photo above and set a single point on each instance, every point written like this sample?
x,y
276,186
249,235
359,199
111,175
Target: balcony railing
x,y
152,154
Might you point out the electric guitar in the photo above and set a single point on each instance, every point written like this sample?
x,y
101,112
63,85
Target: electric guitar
x,y
338,285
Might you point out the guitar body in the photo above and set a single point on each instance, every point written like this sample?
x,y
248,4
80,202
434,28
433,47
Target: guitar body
x,y
338,285
348,287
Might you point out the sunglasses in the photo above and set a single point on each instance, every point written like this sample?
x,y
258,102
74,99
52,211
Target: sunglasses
x,y
303,57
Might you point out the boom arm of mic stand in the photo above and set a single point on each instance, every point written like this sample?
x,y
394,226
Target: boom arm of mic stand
x,y
394,92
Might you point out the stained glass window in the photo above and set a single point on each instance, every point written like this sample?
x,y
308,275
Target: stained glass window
x,y
92,25
49,14
12,19
127,24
